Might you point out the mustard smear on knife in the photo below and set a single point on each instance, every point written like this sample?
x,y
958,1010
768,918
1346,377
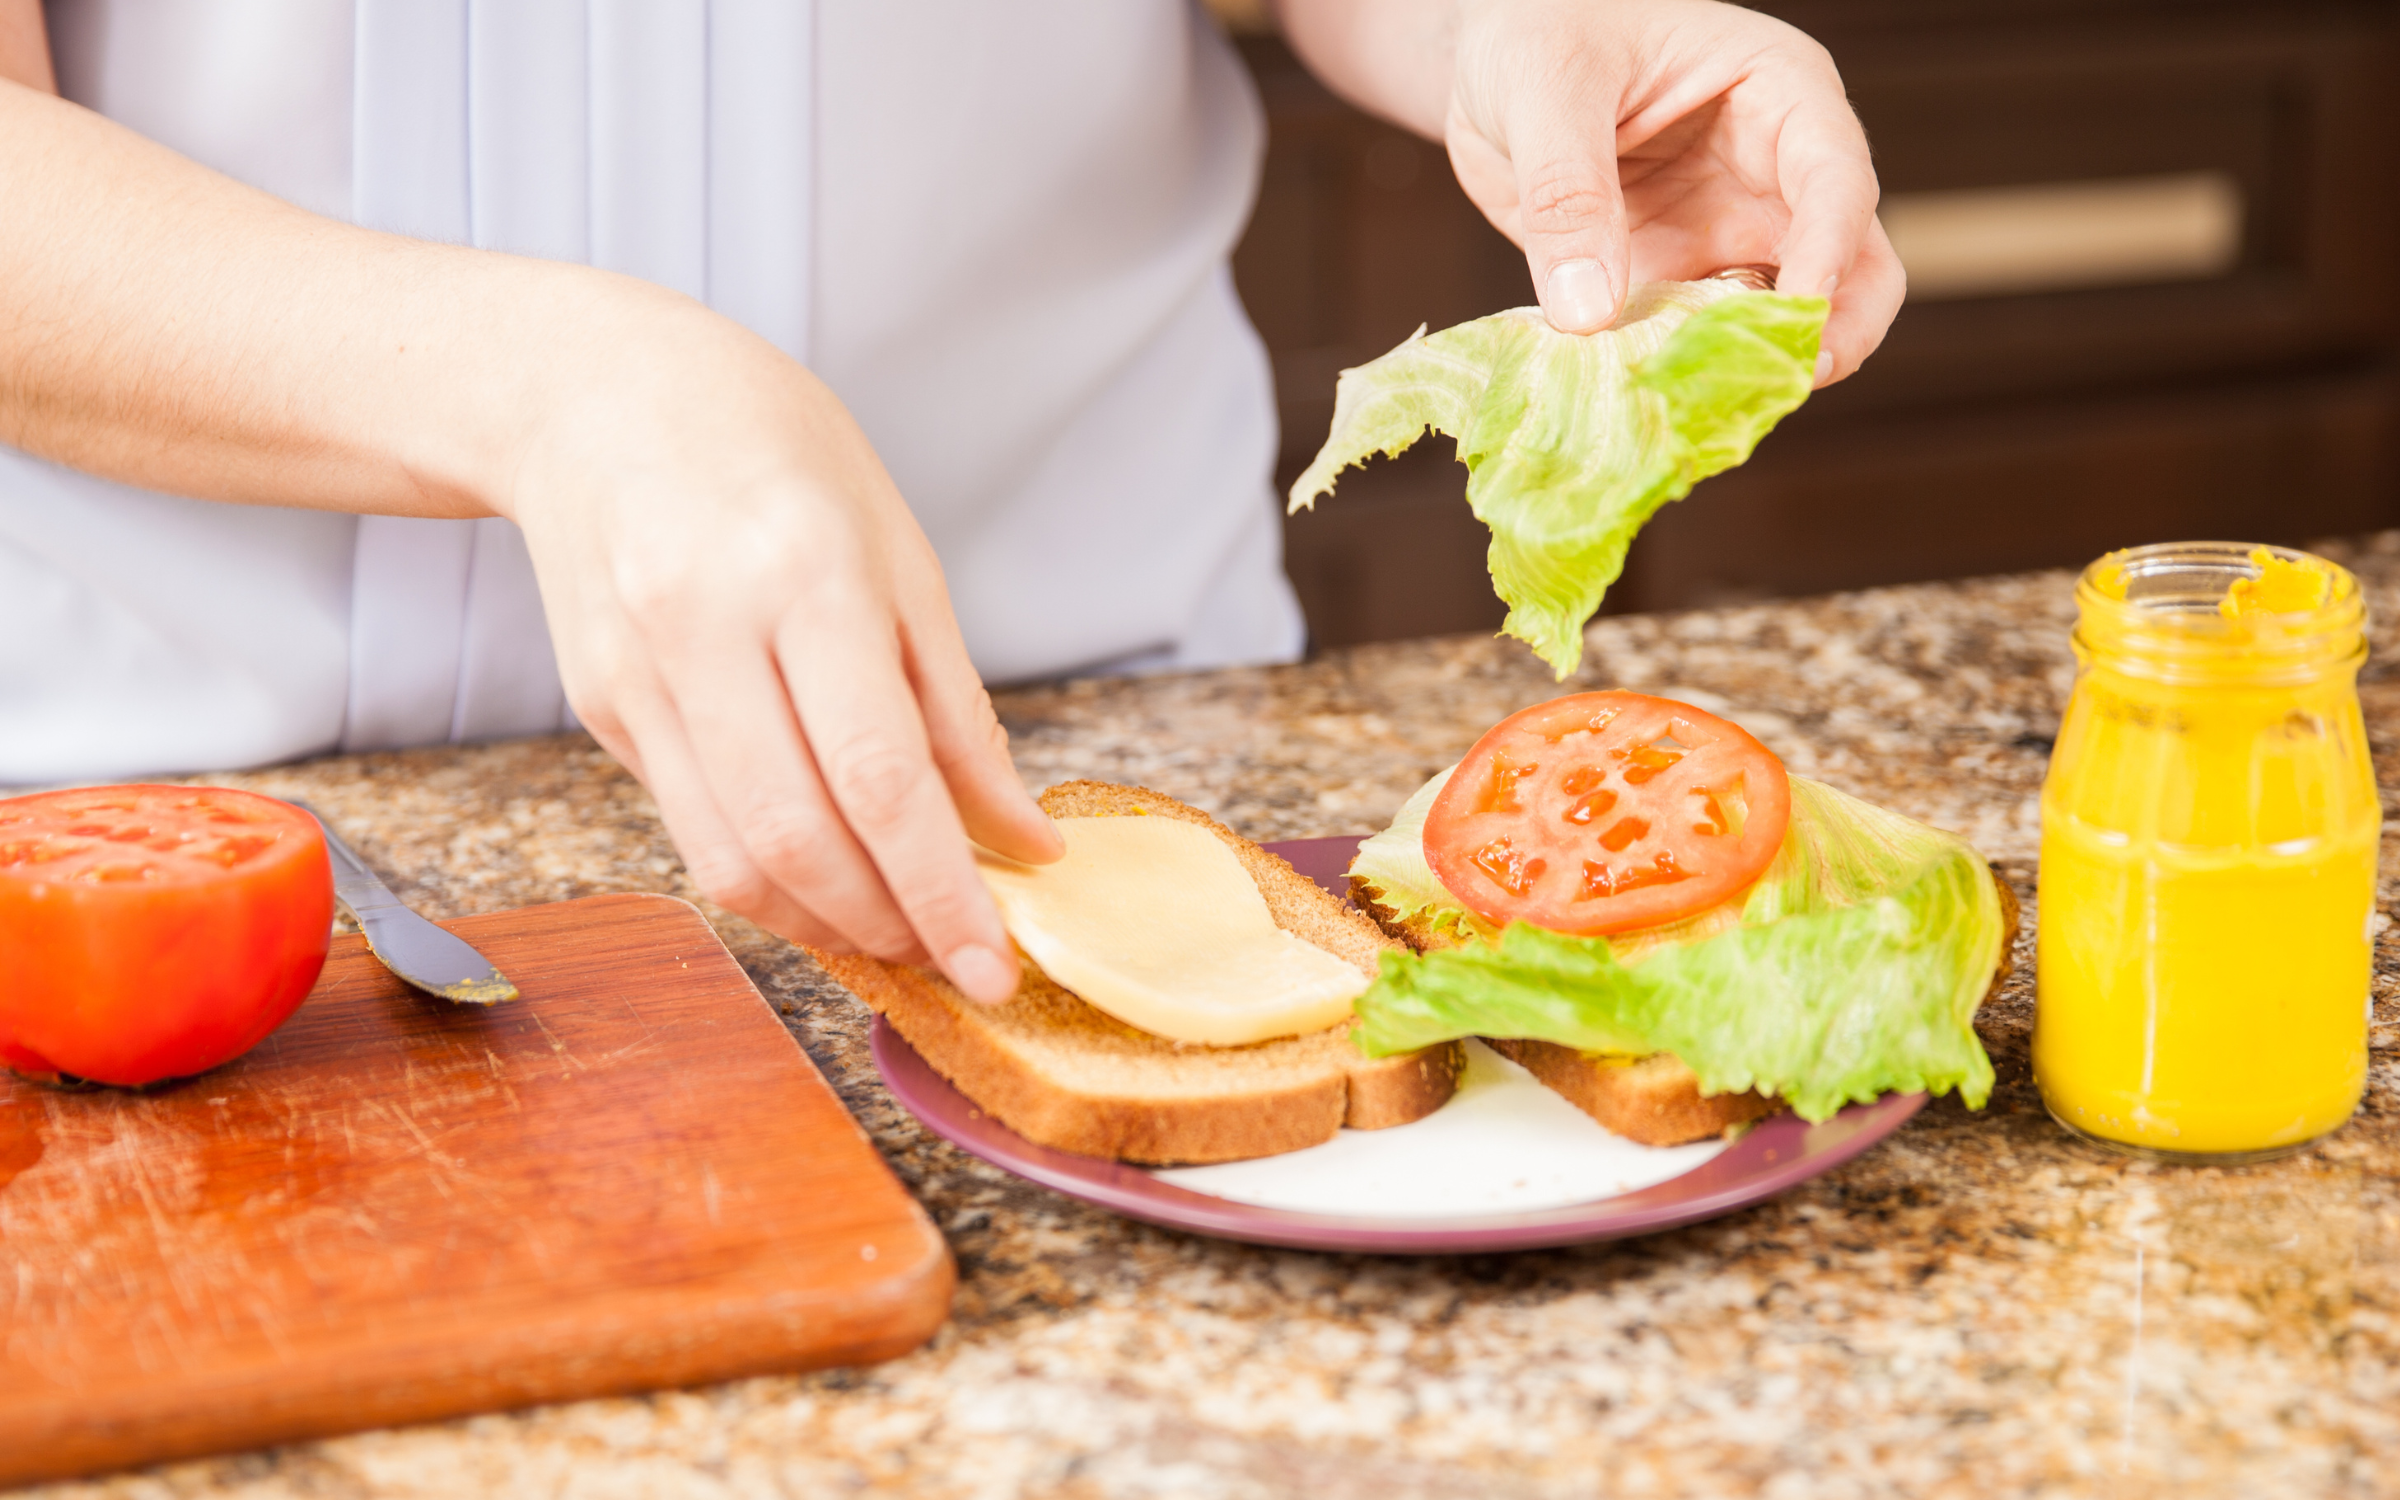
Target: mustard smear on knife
x,y
1154,921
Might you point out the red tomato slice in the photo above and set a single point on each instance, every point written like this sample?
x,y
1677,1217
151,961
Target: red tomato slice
x,y
152,932
1605,812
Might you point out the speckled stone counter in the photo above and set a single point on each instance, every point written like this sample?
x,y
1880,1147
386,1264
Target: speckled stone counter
x,y
1981,1306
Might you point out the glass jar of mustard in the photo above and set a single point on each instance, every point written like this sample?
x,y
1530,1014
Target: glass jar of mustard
x,y
2210,825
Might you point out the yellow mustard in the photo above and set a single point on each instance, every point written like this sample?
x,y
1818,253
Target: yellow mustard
x,y
2210,826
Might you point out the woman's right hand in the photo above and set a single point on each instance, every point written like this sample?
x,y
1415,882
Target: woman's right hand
x,y
746,614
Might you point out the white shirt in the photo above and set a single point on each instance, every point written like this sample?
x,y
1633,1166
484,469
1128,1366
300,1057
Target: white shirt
x,y
998,232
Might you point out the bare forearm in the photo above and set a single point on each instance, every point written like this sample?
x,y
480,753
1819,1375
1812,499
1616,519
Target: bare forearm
x,y
1389,57
169,327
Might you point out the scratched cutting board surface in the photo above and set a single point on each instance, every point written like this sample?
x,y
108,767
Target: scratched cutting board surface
x,y
397,1209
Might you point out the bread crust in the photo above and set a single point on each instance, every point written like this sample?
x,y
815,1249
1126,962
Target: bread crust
x,y
1421,933
1064,1074
1655,1100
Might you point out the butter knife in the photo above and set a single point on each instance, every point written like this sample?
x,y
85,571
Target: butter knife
x,y
413,948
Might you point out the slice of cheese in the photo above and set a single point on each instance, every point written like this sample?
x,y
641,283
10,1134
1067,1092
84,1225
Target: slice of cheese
x,y
1156,922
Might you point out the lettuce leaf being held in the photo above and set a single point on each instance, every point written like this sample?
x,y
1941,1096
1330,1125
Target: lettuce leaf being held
x,y
1572,442
1851,968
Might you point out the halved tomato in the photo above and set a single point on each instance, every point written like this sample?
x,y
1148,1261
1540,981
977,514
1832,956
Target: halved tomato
x,y
152,932
1605,812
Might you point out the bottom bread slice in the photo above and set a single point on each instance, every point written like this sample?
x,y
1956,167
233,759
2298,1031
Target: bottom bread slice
x,y
1655,1100
1063,1074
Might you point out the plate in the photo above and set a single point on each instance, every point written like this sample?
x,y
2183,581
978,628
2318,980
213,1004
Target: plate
x,y
1771,1157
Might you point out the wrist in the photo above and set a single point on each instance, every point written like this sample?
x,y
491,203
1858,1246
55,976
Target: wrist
x,y
520,367
620,380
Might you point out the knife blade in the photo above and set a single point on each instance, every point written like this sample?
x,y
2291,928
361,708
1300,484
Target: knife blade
x,y
411,947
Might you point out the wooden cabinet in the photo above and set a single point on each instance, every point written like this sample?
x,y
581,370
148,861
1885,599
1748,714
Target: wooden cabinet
x,y
1997,428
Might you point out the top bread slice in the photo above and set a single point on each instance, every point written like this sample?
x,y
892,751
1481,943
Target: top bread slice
x,y
1655,1100
1063,1074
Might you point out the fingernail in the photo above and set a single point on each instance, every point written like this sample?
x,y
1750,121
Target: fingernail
x,y
1579,297
980,972
1824,368
1825,287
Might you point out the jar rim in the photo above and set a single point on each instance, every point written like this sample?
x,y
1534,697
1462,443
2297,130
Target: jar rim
x,y
2159,604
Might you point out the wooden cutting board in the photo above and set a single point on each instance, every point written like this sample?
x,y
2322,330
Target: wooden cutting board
x,y
397,1209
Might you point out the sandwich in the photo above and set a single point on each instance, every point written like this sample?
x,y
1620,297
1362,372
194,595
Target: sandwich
x,y
1188,996
1631,898
1762,940
1626,895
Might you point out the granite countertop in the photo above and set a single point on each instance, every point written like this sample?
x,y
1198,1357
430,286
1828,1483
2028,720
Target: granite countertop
x,y
1980,1306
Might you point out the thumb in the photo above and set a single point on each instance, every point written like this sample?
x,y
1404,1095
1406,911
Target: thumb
x,y
1572,216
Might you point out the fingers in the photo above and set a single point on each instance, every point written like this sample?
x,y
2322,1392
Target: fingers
x,y
1567,214
1483,170
1832,203
845,845
843,853
678,685
841,662
1571,215
969,746
846,821
1828,184
714,852
1740,146
1863,307
787,845
1532,134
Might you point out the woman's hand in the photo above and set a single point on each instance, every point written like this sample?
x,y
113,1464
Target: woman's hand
x,y
747,615
1631,141
743,609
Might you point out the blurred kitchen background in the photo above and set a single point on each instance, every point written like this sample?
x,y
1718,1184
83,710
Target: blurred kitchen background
x,y
2152,248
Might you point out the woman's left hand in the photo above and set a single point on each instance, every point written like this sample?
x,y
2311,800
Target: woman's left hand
x,y
1638,140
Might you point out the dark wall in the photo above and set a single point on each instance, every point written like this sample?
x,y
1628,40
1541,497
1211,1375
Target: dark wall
x,y
1991,432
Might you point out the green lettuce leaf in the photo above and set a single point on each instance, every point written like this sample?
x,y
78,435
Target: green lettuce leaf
x,y
1851,968
1393,862
1573,442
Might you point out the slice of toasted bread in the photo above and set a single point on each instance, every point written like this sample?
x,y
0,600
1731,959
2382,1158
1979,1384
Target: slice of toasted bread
x,y
1655,1100
1063,1074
